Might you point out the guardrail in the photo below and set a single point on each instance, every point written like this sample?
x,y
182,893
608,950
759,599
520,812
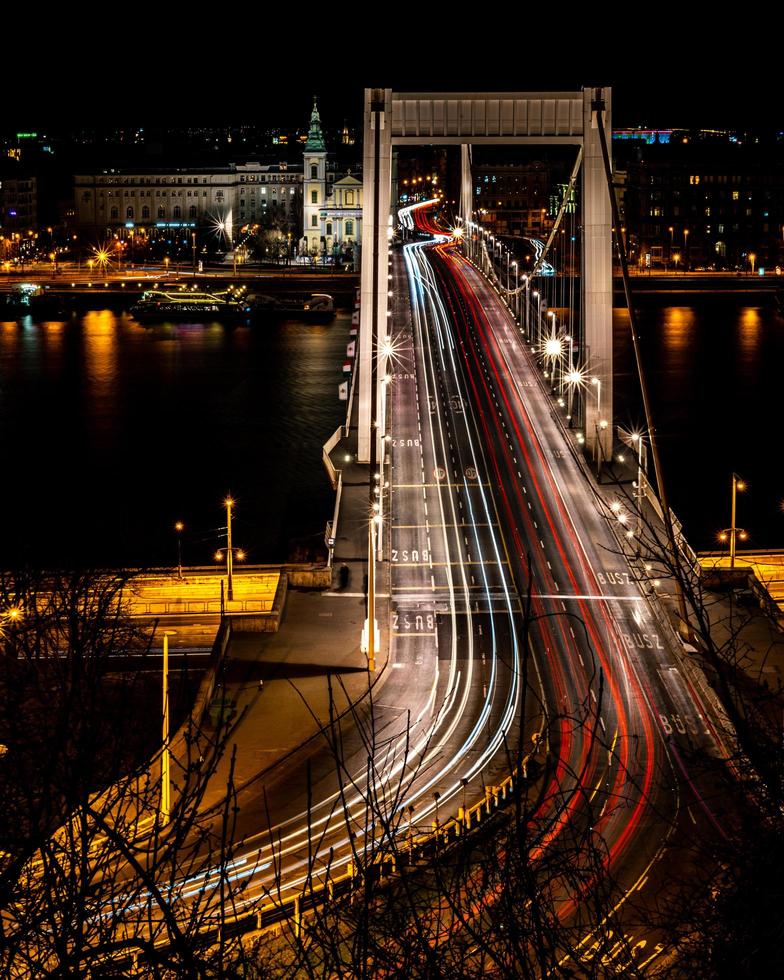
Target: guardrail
x,y
412,847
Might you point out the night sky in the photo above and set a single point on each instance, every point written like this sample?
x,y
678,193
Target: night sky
x,y
167,64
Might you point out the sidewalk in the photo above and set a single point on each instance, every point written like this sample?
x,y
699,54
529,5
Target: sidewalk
x,y
319,636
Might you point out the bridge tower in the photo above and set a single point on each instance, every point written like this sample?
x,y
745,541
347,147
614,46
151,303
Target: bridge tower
x,y
508,118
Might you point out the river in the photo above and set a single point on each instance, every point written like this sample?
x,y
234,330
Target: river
x,y
110,432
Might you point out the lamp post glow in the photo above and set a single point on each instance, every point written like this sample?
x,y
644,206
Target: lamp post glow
x,y
601,425
574,379
179,527
369,642
229,502
165,752
737,484
538,299
639,445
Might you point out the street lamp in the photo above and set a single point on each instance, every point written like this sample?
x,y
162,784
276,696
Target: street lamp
x,y
229,502
733,532
538,299
601,425
179,527
638,441
752,260
166,751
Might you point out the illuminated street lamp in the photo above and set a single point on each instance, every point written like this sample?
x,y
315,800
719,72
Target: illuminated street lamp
x,y
601,425
229,502
752,260
574,379
166,751
638,442
179,527
733,532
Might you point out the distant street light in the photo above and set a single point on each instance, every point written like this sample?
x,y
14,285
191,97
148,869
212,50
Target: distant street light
x,y
229,502
179,527
733,532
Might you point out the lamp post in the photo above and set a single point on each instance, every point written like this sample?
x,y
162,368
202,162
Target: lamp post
x,y
737,484
538,299
639,444
516,294
166,752
179,527
601,425
229,502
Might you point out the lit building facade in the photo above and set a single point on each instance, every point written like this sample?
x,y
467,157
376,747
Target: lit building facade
x,y
332,208
305,203
151,200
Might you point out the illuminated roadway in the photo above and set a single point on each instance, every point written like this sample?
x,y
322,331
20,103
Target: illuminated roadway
x,y
486,500
623,716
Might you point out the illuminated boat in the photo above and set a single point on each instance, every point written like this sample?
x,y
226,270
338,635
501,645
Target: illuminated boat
x,y
161,304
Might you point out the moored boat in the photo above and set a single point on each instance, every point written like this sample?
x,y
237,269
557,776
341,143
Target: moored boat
x,y
318,308
161,304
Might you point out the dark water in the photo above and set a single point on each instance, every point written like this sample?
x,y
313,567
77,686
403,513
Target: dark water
x,y
110,432
717,391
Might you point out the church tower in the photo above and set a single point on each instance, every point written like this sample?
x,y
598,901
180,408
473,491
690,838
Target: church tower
x,y
314,181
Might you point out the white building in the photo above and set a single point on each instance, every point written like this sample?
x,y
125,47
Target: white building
x,y
332,210
158,200
226,199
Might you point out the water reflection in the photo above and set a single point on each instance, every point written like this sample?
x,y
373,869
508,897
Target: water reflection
x,y
102,410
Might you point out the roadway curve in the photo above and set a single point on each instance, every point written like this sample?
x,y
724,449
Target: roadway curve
x,y
602,650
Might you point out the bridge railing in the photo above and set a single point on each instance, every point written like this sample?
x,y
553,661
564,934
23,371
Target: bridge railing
x,y
409,848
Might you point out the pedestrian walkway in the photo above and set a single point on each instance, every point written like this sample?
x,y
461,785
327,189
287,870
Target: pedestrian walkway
x,y
279,681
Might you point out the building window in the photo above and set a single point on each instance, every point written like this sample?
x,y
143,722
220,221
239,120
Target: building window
x,y
313,171
177,211
114,213
145,212
329,227
129,212
735,195
161,212
349,199
314,197
314,221
192,211
349,227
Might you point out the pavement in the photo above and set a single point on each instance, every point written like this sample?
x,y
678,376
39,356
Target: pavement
x,y
280,682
